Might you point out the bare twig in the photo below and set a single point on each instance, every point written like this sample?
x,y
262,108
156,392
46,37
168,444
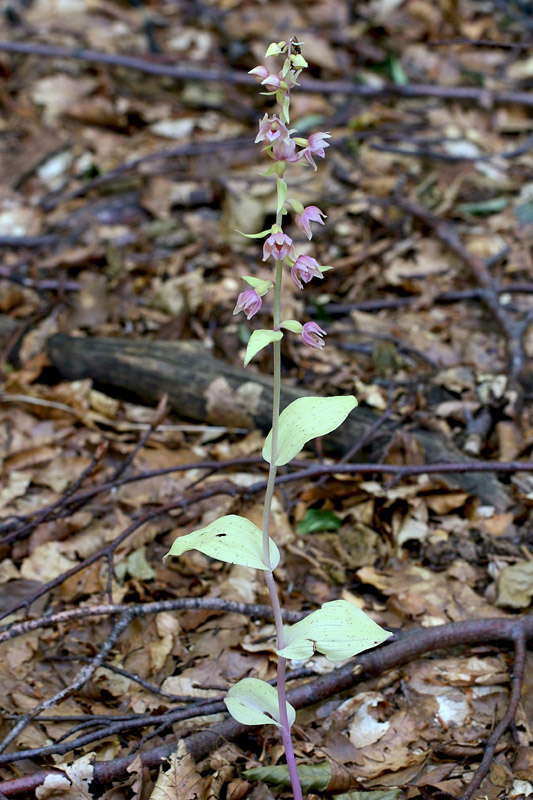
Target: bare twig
x,y
80,498
514,699
232,490
447,234
367,665
143,610
445,297
485,97
159,416
53,199
83,676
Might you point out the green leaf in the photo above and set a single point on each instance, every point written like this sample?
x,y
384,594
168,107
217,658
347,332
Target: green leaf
x,y
303,420
296,206
397,71
291,325
285,105
282,194
483,206
316,520
524,213
261,287
273,49
314,778
255,235
299,62
233,539
258,340
255,702
339,630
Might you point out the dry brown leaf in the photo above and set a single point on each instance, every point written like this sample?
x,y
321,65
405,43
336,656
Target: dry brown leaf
x,y
181,779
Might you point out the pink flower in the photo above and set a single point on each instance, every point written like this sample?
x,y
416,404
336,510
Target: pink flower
x,y
316,145
260,73
311,335
304,269
284,149
279,246
271,82
249,302
271,128
310,214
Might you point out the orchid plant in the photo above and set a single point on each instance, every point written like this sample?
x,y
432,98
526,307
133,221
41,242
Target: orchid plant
x,y
339,629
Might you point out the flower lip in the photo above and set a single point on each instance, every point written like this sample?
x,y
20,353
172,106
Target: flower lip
x,y
278,245
271,128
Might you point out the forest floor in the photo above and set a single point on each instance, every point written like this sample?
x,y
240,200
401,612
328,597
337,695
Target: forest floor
x,y
122,183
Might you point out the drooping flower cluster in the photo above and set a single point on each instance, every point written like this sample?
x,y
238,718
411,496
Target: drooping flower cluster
x,y
283,148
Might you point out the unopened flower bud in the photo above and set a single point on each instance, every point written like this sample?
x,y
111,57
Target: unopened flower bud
x,y
259,73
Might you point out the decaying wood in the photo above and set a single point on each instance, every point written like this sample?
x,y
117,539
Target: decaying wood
x,y
205,389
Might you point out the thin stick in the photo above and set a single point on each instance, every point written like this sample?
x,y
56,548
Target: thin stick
x,y
370,664
146,609
83,676
506,720
484,97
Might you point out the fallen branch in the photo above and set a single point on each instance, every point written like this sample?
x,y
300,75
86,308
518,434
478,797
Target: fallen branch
x,y
144,610
507,719
317,470
484,97
81,679
368,665
206,389
370,306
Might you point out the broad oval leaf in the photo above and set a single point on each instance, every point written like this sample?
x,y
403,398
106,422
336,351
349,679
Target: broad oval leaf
x,y
258,340
233,539
255,702
303,420
339,629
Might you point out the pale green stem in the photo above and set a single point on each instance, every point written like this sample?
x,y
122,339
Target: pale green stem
x,y
270,582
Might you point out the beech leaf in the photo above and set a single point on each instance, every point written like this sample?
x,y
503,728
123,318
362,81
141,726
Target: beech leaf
x,y
258,340
339,629
255,702
232,539
303,420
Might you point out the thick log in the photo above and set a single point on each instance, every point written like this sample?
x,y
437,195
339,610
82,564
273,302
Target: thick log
x,y
205,389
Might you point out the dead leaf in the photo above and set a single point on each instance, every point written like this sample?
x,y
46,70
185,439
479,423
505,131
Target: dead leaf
x,y
181,780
